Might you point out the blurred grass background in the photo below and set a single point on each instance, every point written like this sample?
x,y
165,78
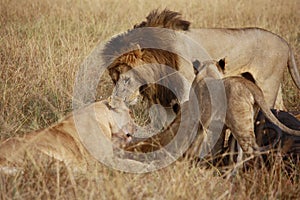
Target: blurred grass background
x,y
43,43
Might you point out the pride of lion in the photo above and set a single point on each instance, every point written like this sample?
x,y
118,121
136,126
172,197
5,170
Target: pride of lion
x,y
243,99
260,53
250,75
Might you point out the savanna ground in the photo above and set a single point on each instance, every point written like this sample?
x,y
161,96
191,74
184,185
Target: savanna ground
x,y
43,43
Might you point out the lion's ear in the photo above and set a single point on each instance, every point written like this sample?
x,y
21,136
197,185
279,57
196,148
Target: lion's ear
x,y
221,64
138,52
133,55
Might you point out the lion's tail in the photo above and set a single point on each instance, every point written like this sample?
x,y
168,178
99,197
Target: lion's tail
x,y
293,68
165,19
259,98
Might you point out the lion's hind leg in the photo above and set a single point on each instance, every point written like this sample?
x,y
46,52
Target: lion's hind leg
x,y
59,144
15,151
48,142
241,124
12,151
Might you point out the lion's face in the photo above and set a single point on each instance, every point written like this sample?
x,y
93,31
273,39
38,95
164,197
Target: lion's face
x,y
123,127
127,85
127,88
121,116
125,63
142,72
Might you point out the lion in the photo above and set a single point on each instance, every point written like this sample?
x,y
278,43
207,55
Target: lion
x,y
156,72
243,98
250,52
72,139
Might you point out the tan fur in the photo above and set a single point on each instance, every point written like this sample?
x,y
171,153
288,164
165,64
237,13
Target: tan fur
x,y
243,99
258,52
61,141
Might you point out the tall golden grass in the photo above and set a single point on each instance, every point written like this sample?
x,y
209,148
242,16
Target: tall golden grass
x,y
42,44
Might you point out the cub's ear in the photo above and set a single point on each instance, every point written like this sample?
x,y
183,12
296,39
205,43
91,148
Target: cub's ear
x,y
196,65
221,64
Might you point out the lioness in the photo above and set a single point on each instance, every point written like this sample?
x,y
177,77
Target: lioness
x,y
67,140
249,51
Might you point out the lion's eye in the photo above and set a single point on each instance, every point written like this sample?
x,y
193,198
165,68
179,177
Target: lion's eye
x,y
126,80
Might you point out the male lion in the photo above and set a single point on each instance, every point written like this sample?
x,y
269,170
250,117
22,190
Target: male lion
x,y
156,70
67,140
250,52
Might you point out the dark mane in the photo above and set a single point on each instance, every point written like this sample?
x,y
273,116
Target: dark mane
x,y
165,19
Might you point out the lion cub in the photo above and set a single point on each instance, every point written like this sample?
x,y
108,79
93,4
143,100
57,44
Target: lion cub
x,y
243,99
67,140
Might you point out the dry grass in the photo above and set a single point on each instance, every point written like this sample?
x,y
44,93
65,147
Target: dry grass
x,y
42,44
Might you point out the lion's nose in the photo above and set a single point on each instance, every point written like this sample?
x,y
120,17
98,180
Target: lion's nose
x,y
128,135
